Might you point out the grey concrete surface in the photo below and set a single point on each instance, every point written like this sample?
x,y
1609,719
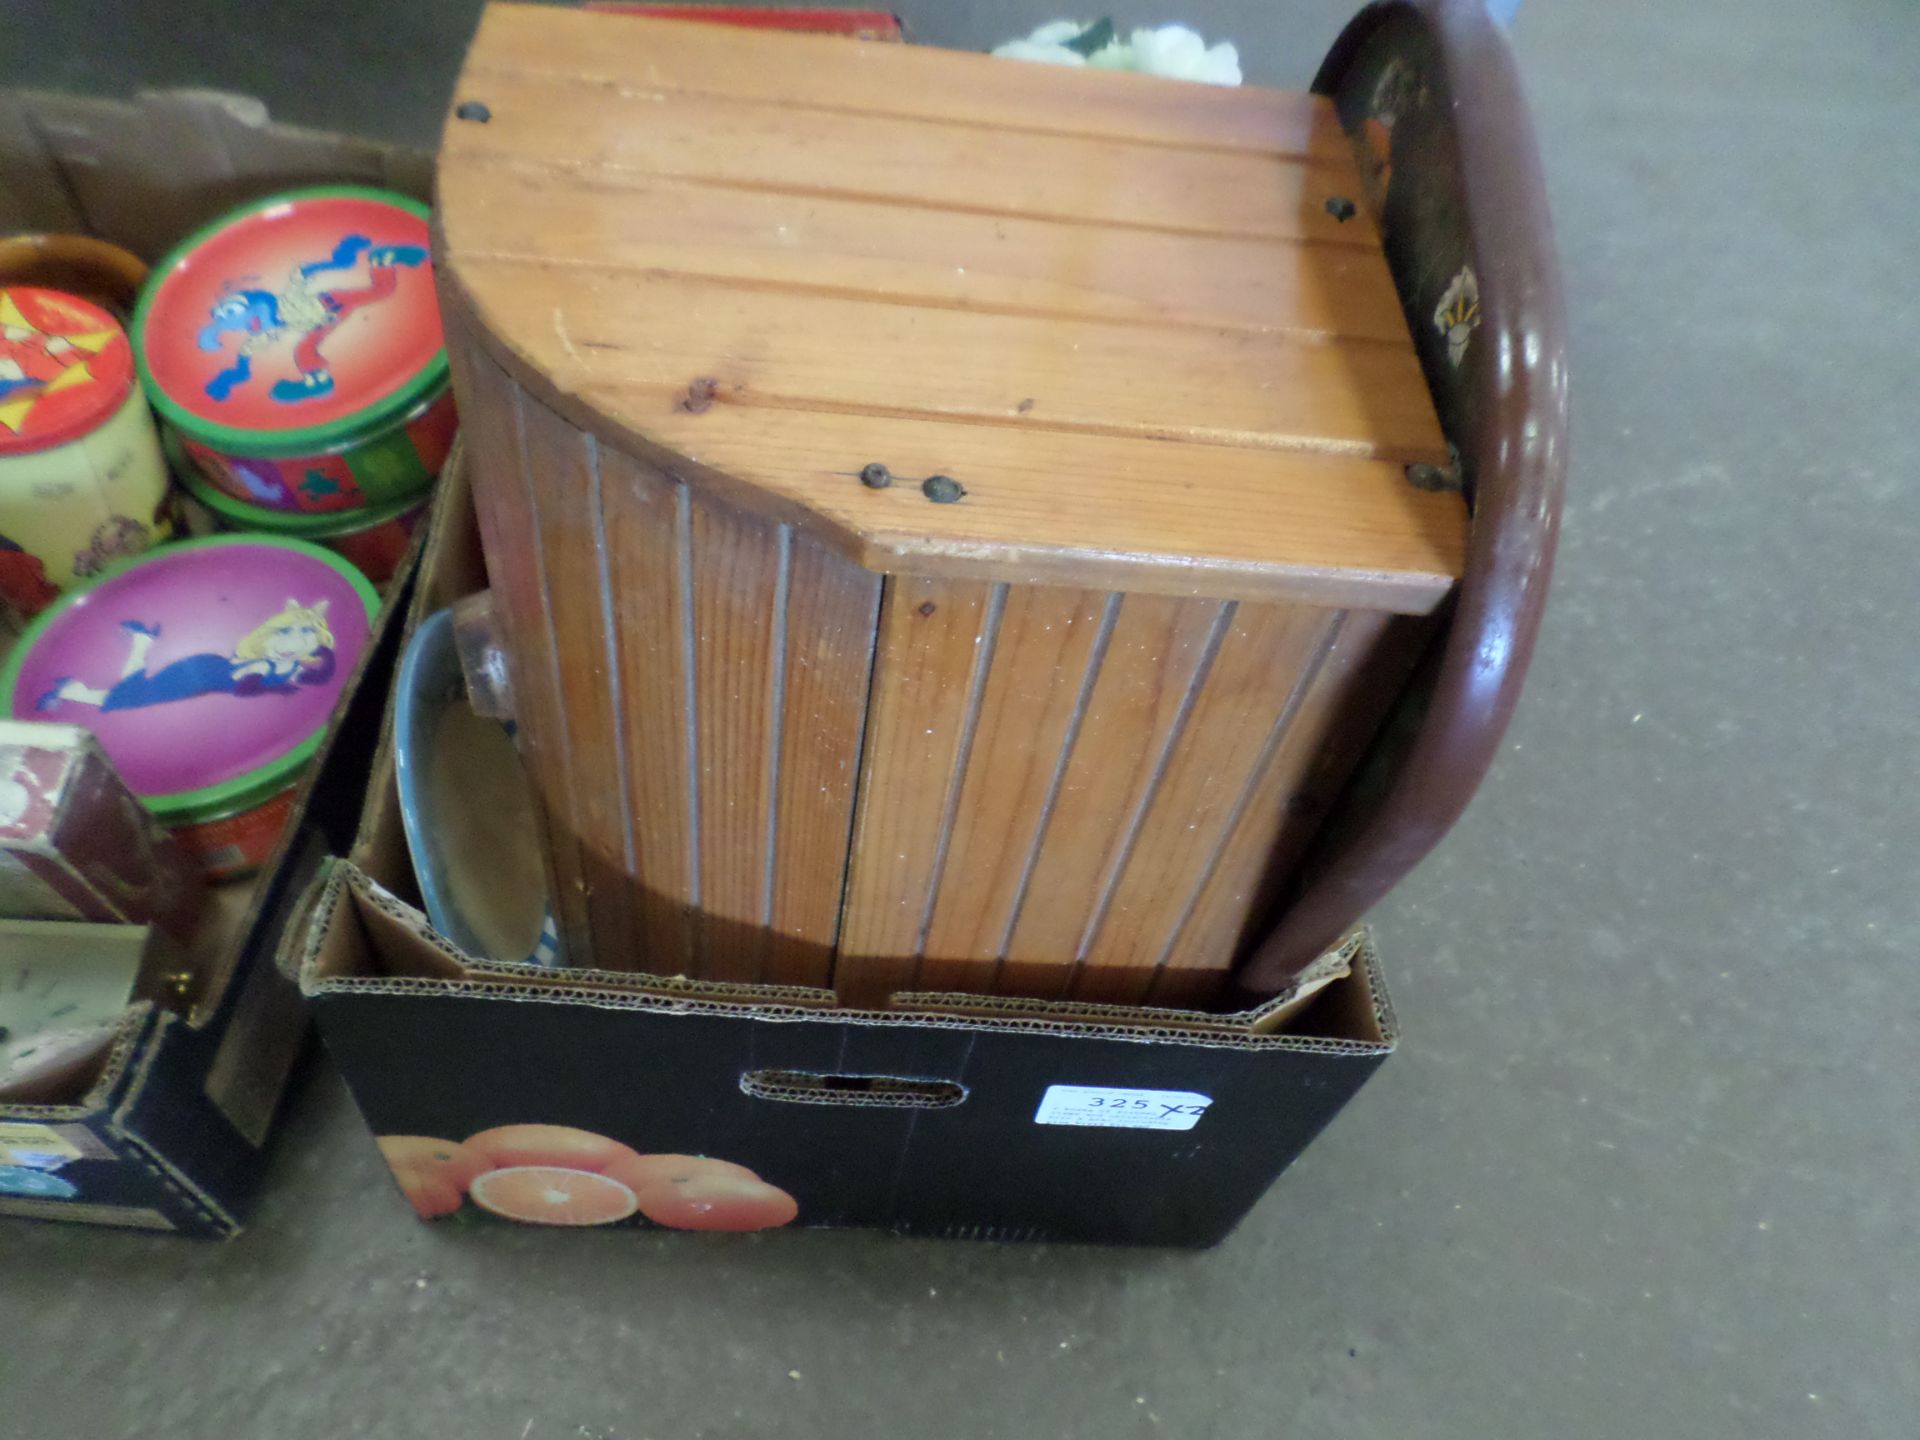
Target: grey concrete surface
x,y
1648,1163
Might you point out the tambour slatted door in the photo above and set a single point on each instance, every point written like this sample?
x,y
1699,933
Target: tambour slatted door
x,y
949,519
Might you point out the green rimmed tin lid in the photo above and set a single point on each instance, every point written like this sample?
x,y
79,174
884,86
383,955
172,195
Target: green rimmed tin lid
x,y
209,669
297,324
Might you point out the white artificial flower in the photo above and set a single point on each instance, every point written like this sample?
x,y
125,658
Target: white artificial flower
x,y
1174,51
1180,54
1045,54
1221,66
1059,32
1048,44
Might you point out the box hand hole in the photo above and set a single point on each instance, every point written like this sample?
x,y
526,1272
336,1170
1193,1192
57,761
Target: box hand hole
x,y
896,1092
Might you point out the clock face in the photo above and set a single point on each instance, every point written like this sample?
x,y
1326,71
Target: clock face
x,y
62,992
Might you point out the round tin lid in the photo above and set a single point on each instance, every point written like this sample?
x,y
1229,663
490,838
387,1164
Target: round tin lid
x,y
296,324
208,669
65,368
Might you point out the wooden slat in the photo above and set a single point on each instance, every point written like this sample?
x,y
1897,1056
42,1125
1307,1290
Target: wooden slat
x,y
992,263
1047,645
894,80
934,637
509,533
647,527
736,567
563,491
603,130
1135,712
831,612
1267,652
1368,668
1075,510
603,334
1363,670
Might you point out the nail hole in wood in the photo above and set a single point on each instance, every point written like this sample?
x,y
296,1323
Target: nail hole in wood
x,y
699,396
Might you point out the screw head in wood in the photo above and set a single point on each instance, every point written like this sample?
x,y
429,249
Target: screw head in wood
x,y
1433,478
942,489
474,110
876,476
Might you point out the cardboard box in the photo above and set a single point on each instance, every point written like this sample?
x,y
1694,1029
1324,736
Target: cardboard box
x,y
169,1133
958,1115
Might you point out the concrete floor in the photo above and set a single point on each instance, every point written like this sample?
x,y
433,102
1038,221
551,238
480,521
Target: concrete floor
x,y
1647,1164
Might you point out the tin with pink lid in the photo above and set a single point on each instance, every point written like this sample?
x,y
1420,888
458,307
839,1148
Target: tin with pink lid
x,y
209,671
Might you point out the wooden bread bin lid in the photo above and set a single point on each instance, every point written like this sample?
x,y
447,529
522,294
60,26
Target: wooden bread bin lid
x,y
1145,326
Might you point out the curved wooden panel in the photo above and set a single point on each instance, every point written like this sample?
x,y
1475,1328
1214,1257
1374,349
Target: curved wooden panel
x,y
690,684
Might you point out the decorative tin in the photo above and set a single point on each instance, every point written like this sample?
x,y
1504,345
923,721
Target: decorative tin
x,y
82,482
295,345
209,671
375,540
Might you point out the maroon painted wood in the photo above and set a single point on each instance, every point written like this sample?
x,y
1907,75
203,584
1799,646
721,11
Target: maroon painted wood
x,y
1429,91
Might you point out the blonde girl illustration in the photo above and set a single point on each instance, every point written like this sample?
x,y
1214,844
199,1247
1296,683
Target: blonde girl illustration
x,y
277,656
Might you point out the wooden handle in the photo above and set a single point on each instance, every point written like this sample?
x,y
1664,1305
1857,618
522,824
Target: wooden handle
x,y
1429,91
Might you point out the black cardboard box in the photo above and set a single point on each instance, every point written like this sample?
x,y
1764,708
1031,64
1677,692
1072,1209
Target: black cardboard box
x,y
964,1116
169,1134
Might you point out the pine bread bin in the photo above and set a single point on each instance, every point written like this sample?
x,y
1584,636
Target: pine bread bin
x,y
960,525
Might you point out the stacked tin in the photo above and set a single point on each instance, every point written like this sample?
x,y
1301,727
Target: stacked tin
x,y
81,480
294,349
209,670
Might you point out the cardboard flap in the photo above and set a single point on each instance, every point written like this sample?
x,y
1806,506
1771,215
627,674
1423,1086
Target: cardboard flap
x,y
363,939
145,173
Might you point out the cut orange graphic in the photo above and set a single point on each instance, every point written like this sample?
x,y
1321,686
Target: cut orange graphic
x,y
448,1159
512,1145
432,1174
553,1195
717,1201
430,1196
643,1172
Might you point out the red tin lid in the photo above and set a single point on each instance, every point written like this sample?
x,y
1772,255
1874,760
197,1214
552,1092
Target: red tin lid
x,y
65,368
296,324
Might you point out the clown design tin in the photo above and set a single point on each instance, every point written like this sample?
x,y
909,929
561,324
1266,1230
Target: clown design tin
x,y
375,540
81,479
296,347
209,671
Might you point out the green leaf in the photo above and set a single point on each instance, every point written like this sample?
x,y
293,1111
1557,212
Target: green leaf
x,y
1095,38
